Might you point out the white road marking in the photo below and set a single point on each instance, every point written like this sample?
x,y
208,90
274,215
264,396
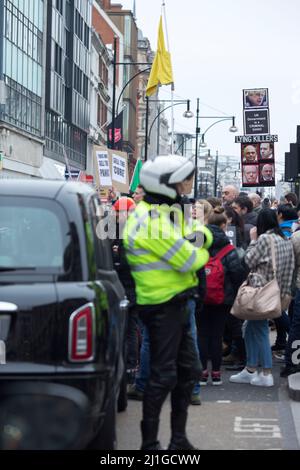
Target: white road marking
x,y
254,428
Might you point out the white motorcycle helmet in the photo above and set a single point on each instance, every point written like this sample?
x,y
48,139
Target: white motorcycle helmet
x,y
160,175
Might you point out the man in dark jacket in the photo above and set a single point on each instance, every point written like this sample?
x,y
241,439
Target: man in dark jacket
x,y
244,207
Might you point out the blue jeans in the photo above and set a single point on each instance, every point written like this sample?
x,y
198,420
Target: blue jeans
x,y
294,333
192,309
257,344
143,373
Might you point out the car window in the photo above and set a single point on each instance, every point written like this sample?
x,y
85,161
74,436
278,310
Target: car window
x,y
33,234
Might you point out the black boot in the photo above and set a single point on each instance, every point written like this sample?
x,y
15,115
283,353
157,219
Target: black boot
x,y
149,429
179,441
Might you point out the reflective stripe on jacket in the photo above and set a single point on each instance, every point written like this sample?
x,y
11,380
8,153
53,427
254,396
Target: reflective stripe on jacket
x,y
163,262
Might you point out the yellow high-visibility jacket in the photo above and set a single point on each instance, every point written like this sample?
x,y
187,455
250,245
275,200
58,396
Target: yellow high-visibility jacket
x,y
163,262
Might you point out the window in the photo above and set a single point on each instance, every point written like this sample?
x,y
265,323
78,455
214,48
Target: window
x,y
86,36
101,113
78,25
59,6
77,79
58,59
34,234
23,108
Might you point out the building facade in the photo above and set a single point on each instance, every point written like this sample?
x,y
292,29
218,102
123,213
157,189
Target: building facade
x,y
145,55
68,81
22,71
104,33
100,96
125,22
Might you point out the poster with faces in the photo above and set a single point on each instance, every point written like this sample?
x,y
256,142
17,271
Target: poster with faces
x,y
258,164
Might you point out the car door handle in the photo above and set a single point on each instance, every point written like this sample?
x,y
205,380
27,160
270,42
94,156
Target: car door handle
x,y
124,304
8,307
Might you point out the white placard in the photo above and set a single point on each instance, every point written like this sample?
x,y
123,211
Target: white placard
x,y
104,169
119,169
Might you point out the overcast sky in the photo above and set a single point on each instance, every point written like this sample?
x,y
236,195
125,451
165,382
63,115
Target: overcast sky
x,y
221,47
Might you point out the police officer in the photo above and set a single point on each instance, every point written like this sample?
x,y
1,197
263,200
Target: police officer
x,y
164,260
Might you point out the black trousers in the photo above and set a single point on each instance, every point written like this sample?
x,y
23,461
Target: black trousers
x,y
174,362
211,324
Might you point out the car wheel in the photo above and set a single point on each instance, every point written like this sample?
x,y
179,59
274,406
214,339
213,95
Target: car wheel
x,y
122,399
106,438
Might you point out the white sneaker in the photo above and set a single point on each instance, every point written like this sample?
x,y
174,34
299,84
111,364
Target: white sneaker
x,y
262,380
243,377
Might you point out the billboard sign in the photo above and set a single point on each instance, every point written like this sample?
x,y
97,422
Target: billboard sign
x,y
256,121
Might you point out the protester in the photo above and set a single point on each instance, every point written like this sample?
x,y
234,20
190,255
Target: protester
x,y
256,201
201,211
215,201
234,354
286,216
259,260
138,194
291,367
244,207
213,316
229,193
292,199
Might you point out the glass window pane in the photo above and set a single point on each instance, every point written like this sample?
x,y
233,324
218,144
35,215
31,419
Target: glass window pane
x,y
20,66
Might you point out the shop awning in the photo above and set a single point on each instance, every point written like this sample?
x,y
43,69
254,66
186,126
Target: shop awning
x,y
50,169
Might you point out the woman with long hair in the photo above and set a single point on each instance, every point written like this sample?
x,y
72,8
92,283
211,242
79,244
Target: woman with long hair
x,y
258,258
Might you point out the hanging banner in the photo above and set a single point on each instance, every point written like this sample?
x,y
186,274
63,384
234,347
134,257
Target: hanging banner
x,y
118,133
255,139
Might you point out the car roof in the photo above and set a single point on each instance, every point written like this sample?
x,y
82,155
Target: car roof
x,y
42,188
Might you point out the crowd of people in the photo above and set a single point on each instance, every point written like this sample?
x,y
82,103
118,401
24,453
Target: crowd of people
x,y
182,287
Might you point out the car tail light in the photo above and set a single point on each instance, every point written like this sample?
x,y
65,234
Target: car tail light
x,y
82,334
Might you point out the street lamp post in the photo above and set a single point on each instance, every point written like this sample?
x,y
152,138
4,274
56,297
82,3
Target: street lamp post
x,y
216,173
196,150
188,114
114,107
233,128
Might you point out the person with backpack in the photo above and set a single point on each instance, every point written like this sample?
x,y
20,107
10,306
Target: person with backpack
x,y
224,275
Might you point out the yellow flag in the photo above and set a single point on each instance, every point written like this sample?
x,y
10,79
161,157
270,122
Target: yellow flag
x,y
161,71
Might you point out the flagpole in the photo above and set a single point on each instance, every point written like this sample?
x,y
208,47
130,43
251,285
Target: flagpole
x,y
172,85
